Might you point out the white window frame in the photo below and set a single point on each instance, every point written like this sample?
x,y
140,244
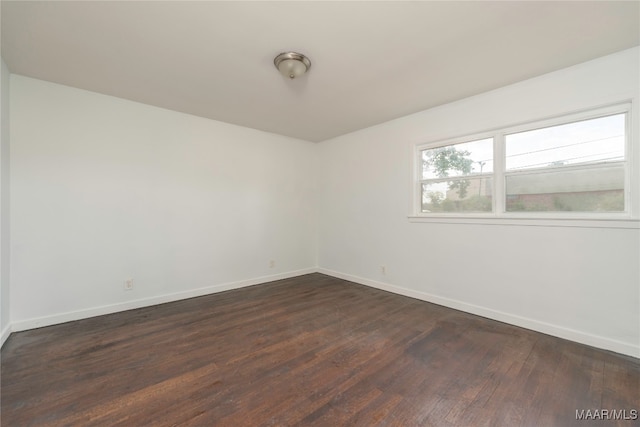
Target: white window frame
x,y
629,218
447,143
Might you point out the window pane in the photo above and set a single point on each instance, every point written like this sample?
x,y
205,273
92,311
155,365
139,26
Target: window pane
x,y
595,189
457,195
589,141
458,160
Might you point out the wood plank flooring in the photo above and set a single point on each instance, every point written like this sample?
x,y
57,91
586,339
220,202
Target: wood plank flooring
x,y
307,351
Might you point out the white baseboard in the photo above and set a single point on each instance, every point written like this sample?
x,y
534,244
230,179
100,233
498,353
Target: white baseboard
x,y
535,325
527,323
39,322
5,334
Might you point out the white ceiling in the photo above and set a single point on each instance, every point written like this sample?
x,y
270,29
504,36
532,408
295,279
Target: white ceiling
x,y
371,61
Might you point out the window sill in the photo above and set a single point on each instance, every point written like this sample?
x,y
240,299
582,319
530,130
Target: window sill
x,y
633,224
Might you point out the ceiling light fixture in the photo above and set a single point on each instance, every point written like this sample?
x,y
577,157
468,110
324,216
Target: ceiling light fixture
x,y
292,64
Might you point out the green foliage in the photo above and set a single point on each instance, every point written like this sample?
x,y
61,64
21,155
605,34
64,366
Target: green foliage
x,y
445,160
461,186
588,201
474,203
436,198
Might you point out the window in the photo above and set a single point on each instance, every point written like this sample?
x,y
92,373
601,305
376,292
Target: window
x,y
571,167
458,177
576,167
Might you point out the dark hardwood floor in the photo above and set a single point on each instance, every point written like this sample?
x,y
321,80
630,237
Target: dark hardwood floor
x,y
309,351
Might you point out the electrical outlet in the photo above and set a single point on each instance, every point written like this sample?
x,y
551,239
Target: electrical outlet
x,y
272,264
128,285
383,269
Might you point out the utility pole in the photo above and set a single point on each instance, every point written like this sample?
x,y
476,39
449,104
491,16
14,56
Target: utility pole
x,y
480,184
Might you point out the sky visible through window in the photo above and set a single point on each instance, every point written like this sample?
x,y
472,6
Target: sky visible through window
x,y
480,152
590,141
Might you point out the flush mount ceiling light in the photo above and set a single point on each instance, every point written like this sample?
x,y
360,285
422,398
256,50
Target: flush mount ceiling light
x,y
292,64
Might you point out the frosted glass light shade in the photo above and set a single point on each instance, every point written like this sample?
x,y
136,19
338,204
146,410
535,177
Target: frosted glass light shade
x,y
292,64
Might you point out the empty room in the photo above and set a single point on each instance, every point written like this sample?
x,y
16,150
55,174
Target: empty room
x,y
320,213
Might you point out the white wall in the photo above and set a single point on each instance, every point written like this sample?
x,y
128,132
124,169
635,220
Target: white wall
x,y
5,314
104,189
578,283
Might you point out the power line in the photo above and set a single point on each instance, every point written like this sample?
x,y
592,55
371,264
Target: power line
x,y
617,158
564,146
491,160
554,148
